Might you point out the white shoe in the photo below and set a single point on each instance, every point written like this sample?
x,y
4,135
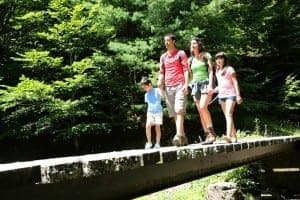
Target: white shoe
x,y
156,146
148,145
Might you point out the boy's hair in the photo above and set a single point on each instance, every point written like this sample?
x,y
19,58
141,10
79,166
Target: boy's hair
x,y
145,81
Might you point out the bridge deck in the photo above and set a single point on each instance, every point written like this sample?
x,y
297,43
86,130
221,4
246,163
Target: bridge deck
x,y
130,173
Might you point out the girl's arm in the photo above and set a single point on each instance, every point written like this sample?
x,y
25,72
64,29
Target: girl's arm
x,y
239,99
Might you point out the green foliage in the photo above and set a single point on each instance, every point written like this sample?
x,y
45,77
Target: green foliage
x,y
71,68
291,92
247,177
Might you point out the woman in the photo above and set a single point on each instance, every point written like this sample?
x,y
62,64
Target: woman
x,y
229,94
202,86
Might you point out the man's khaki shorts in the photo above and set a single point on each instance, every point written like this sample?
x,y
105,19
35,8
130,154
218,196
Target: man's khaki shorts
x,y
176,100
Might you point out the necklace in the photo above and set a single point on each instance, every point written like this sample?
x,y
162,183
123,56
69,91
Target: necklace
x,y
200,56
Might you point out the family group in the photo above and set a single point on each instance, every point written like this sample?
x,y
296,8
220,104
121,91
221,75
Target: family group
x,y
179,76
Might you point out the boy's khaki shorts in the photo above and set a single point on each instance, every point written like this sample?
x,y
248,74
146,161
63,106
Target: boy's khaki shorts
x,y
155,118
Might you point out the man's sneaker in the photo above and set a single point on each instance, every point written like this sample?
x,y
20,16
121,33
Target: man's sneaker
x,y
156,146
180,140
176,140
148,145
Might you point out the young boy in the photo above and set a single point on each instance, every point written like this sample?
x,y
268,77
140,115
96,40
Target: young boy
x,y
154,112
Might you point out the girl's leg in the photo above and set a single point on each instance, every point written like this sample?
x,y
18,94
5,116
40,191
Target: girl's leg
x,y
233,130
228,109
158,133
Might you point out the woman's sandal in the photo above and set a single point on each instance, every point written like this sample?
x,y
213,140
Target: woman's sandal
x,y
210,137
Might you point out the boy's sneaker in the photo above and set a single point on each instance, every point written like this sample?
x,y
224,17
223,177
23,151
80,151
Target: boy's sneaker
x,y
156,146
148,145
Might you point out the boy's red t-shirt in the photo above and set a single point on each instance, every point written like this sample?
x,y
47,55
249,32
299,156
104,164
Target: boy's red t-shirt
x,y
173,67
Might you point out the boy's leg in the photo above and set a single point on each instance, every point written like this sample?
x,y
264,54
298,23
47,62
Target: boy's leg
x,y
158,133
148,133
148,127
158,123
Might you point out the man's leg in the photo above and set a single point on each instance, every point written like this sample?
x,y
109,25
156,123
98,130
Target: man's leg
x,y
180,109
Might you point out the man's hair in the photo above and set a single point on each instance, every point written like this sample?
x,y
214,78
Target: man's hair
x,y
171,35
145,81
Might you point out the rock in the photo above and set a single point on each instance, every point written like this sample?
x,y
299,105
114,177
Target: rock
x,y
224,191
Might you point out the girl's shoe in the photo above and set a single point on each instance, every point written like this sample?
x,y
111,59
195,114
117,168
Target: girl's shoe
x,y
227,139
156,146
234,139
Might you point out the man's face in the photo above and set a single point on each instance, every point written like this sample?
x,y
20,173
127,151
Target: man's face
x,y
169,43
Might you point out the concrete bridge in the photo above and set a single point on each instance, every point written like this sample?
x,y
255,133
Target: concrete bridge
x,y
131,173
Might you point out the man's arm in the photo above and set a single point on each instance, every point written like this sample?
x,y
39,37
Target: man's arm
x,y
161,73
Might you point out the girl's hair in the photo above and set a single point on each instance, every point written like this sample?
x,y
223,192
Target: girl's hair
x,y
200,46
224,56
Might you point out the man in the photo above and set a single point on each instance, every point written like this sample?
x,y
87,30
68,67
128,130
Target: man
x,y
174,74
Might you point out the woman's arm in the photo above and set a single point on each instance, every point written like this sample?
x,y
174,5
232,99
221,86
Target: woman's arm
x,y
210,75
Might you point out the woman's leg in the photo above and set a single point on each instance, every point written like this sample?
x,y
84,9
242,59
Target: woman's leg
x,y
205,114
197,103
206,117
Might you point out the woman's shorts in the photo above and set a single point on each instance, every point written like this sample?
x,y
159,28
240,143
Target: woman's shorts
x,y
155,118
224,99
199,88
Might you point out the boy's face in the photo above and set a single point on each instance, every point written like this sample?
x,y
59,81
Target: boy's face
x,y
146,87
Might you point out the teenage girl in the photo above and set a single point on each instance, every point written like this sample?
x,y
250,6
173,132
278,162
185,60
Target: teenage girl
x,y
229,94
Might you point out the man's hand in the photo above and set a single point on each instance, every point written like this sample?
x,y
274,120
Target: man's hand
x,y
186,89
160,83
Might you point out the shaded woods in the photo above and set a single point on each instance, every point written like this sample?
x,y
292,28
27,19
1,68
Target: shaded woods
x,y
69,69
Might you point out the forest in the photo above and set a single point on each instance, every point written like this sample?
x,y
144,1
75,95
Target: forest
x,y
70,69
